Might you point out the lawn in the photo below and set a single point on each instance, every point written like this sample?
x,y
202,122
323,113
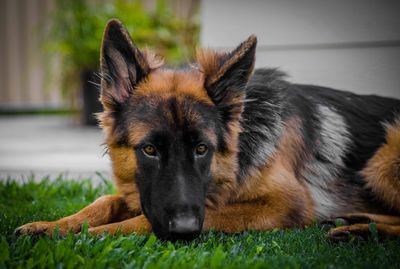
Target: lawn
x,y
49,200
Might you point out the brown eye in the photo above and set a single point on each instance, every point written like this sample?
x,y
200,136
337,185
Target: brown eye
x,y
149,150
201,149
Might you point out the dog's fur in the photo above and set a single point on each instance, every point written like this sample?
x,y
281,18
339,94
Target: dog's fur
x,y
218,146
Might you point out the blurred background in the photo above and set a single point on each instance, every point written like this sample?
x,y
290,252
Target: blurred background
x,y
49,52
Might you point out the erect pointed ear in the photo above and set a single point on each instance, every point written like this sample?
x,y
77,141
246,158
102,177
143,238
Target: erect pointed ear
x,y
122,65
226,74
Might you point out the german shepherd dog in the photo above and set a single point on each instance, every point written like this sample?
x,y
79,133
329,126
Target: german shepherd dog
x,y
217,146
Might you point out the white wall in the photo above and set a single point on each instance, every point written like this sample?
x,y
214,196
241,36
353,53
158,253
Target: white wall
x,y
352,45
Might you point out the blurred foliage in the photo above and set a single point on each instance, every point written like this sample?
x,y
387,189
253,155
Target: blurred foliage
x,y
77,26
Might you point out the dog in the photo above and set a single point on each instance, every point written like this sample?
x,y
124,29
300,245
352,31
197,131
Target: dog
x,y
218,145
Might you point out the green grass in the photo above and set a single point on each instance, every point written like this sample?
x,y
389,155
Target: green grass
x,y
47,200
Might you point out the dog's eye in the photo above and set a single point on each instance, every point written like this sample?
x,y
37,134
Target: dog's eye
x,y
149,150
201,150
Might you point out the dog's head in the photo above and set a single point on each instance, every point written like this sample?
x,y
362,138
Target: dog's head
x,y
172,133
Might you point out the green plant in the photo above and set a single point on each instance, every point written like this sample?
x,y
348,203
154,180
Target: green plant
x,y
77,27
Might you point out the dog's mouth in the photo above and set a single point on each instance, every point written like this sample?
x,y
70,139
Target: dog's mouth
x,y
186,237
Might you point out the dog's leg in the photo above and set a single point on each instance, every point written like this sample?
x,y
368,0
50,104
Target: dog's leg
x,y
106,209
138,225
359,218
239,217
344,233
358,224
230,219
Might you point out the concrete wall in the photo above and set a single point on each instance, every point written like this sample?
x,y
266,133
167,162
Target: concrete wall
x,y
346,44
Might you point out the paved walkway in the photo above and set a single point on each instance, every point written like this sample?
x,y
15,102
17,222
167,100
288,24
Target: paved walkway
x,y
50,146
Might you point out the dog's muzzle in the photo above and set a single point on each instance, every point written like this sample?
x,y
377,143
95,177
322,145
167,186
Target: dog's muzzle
x,y
184,227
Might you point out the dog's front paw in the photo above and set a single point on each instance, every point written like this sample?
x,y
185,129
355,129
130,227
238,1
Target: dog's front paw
x,y
36,228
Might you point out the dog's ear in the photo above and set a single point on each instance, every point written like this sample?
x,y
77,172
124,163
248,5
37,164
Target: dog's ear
x,y
226,74
122,65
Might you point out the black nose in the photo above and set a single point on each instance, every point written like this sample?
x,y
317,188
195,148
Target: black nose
x,y
184,227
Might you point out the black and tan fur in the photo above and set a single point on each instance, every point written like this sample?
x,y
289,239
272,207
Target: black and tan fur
x,y
218,146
